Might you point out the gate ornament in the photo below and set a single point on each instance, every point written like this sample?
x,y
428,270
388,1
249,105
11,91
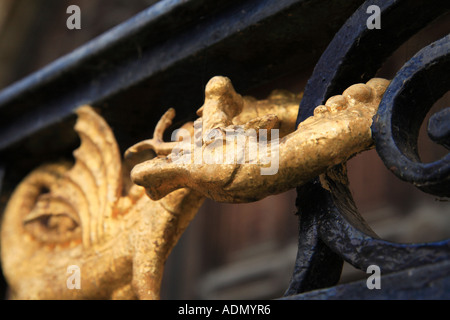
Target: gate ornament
x,y
337,131
90,214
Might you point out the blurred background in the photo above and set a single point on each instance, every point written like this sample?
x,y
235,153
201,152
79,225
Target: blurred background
x,y
231,251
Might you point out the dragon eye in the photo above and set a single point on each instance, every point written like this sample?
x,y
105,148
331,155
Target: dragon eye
x,y
52,220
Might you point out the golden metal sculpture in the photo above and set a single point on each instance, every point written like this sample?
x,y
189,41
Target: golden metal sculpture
x,y
90,216
85,215
337,131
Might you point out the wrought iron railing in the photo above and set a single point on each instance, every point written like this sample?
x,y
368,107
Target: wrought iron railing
x,y
331,229
137,65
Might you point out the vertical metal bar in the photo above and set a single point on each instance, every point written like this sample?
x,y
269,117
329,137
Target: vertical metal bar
x,y
355,53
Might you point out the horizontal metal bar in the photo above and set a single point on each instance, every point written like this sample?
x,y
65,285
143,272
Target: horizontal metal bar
x,y
428,282
165,55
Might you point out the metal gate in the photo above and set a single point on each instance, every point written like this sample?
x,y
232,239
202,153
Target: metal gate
x,y
131,71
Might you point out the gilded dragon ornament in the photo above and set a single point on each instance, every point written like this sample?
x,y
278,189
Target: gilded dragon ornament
x,y
121,231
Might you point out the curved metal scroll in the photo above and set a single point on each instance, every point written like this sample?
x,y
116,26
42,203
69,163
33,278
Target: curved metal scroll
x,y
420,83
331,229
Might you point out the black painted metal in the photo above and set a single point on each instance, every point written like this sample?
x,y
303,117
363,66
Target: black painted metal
x,y
419,84
331,217
346,233
316,266
438,128
161,58
430,282
172,47
356,52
